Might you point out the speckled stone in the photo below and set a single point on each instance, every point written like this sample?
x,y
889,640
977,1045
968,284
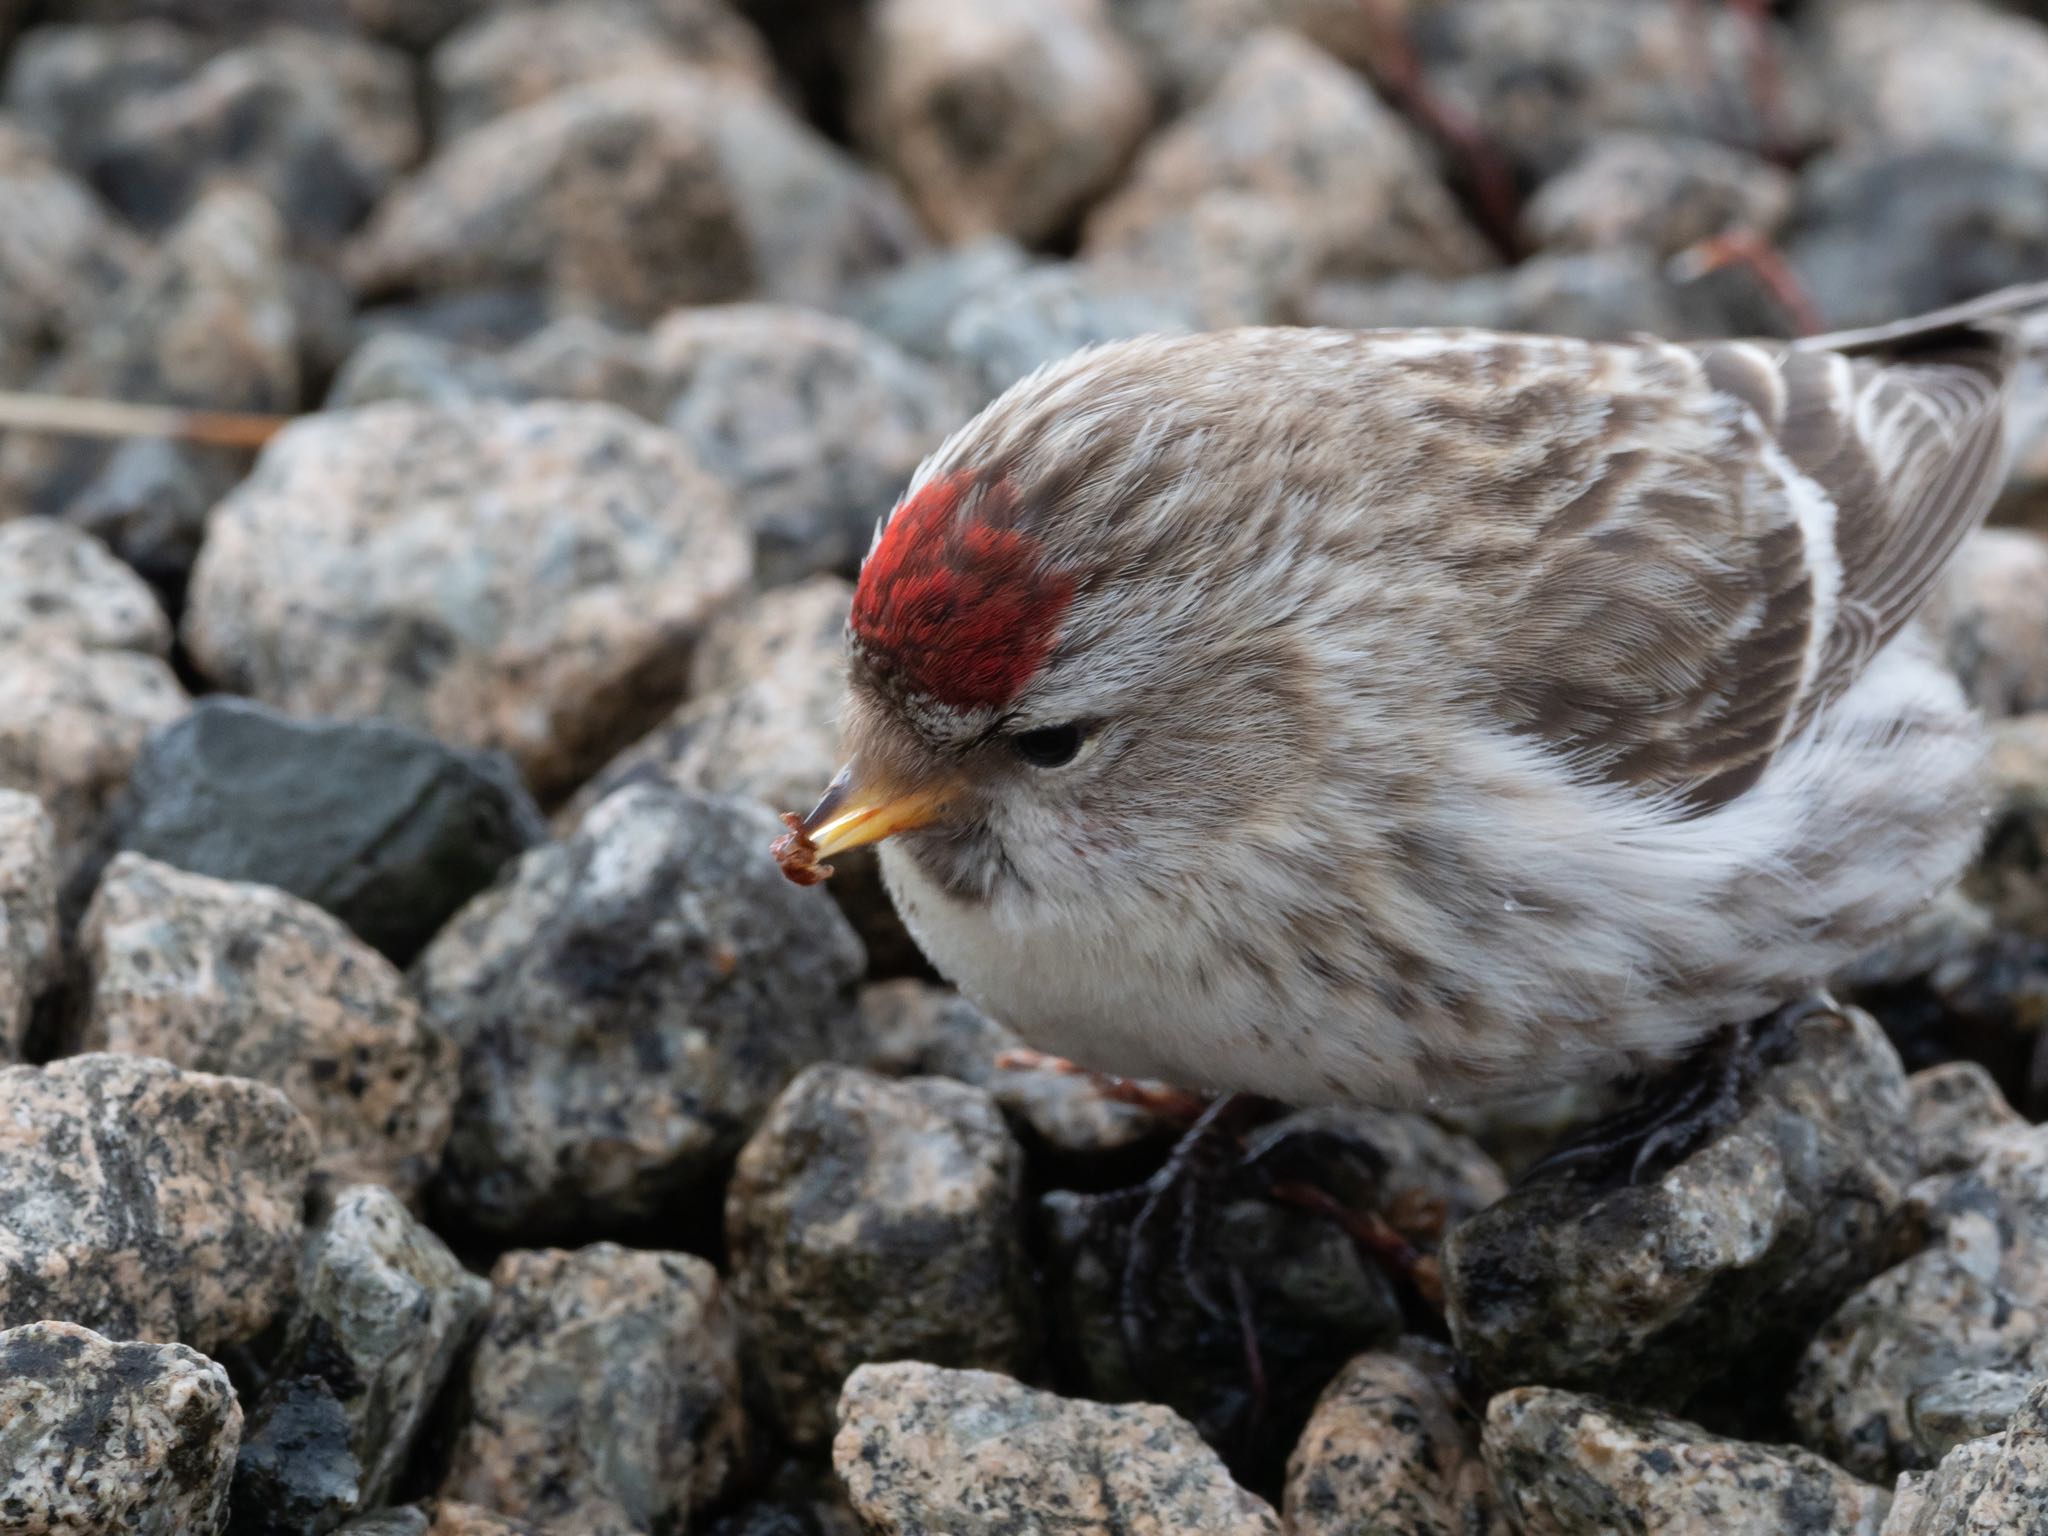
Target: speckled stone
x,y
514,56
403,1520
319,124
1664,1290
970,1453
384,1311
1187,46
628,1004
604,1396
106,1437
912,1027
146,1201
2007,878
1017,324
1566,1465
632,197
1658,194
207,321
797,630
30,961
1969,1405
871,1219
74,724
245,980
60,78
1291,173
1001,118
813,423
524,577
1541,79
1996,1484
1991,612
61,586
1959,1116
1970,1301
452,1517
62,254
383,826
1389,1450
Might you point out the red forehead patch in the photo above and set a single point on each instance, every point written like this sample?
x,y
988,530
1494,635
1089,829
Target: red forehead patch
x,y
955,602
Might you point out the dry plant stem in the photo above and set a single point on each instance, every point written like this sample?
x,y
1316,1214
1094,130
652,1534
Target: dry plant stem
x,y
63,416
1748,248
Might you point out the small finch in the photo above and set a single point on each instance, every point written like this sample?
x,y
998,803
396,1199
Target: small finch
x,y
1411,716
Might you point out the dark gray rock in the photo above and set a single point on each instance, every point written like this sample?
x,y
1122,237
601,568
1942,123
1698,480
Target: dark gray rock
x,y
970,1453
100,1436
148,1202
295,1473
877,1220
628,1004
384,1312
381,825
1669,1291
604,1396
1566,1465
147,501
1884,232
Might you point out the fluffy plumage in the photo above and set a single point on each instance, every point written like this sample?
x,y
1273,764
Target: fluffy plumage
x,y
1463,712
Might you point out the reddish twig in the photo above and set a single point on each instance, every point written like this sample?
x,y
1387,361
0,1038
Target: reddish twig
x,y
1748,248
63,416
1176,1105
1375,1237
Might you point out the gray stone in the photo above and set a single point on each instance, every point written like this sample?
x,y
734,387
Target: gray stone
x,y
1292,173
1968,1302
423,369
295,1471
103,1436
628,1004
1187,46
1657,194
2008,876
147,500
542,599
381,825
405,1520
877,1220
384,1312
1390,1449
513,56
1959,1116
1662,1291
1991,612
61,79
1002,118
1966,1406
30,960
813,423
970,1453
148,1202
604,1396
245,980
1995,1484
912,305
62,255
1566,1465
631,197
1014,326
61,586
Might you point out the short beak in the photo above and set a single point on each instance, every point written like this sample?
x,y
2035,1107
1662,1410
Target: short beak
x,y
851,815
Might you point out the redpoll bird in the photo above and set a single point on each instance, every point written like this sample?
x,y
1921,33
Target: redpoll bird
x,y
1421,715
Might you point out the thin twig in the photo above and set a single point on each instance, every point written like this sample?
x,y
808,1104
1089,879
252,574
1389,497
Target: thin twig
x,y
63,416
1750,248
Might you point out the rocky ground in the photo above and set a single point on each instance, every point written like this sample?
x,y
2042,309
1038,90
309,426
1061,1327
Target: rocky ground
x,y
427,1109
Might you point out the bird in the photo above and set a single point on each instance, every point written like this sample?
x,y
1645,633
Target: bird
x,y
1414,718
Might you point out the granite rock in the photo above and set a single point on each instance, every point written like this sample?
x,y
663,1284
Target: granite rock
x,y
384,1312
1998,1483
1565,1464
295,1471
511,56
420,368
1002,118
148,1202
870,1219
59,586
104,1436
1390,1449
632,197
1958,1116
911,305
380,825
1968,1302
30,960
1991,612
62,255
1666,1291
1290,174
61,79
2008,876
604,1395
1657,194
971,1453
521,577
1015,325
628,1004
250,982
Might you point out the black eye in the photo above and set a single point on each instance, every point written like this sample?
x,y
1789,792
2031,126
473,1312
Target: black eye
x,y
1051,746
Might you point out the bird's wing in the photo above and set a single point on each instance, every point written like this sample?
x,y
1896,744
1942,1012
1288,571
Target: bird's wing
x,y
1754,523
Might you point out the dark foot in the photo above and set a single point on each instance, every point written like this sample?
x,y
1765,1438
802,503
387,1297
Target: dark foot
x,y
1680,1108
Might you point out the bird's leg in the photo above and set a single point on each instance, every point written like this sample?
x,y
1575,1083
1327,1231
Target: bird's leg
x,y
1174,1105
1679,1109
